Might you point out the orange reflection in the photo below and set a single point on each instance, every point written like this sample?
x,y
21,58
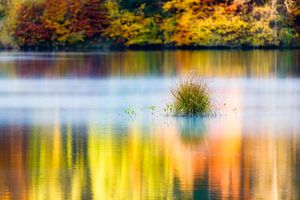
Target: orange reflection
x,y
13,164
210,63
158,162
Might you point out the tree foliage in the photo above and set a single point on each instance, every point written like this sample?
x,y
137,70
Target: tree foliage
x,y
60,22
232,23
256,23
150,7
3,7
31,29
127,28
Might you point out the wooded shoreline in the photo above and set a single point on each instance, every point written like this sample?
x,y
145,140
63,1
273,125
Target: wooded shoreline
x,y
106,47
149,24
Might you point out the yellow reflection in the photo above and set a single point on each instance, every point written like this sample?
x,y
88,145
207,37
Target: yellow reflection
x,y
217,63
272,159
96,162
137,169
12,159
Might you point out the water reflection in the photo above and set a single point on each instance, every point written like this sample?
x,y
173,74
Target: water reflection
x,y
257,63
192,129
91,162
63,135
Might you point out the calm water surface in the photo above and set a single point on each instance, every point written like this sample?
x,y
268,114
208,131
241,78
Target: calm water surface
x,y
64,133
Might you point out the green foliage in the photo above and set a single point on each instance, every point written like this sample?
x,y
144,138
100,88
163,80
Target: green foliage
x,y
191,97
127,28
7,23
3,8
150,6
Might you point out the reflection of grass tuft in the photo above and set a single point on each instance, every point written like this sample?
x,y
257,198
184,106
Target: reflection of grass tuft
x,y
192,130
191,97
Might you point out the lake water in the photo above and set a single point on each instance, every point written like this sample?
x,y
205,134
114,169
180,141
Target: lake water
x,y
65,133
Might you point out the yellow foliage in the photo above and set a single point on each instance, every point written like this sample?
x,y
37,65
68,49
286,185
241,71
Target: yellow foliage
x,y
131,28
176,22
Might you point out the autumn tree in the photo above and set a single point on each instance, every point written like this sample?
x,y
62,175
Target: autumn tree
x,y
55,20
30,28
293,7
150,6
95,14
3,8
76,20
232,23
127,28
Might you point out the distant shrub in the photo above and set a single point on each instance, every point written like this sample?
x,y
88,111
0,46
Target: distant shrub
x,y
191,97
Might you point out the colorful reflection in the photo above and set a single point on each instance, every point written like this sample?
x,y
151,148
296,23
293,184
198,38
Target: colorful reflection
x,y
218,63
157,162
60,140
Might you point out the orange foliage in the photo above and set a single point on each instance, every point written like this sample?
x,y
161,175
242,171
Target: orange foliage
x,y
31,29
214,23
60,22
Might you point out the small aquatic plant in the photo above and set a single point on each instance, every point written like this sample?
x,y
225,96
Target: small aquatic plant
x,y
191,97
168,108
130,112
152,109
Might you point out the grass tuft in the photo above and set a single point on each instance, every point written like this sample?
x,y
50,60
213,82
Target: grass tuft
x,y
191,97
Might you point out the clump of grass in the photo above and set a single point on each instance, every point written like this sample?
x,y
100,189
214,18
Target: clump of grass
x,y
191,97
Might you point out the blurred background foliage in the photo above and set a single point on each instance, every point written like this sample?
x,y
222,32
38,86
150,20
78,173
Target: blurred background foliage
x,y
169,23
